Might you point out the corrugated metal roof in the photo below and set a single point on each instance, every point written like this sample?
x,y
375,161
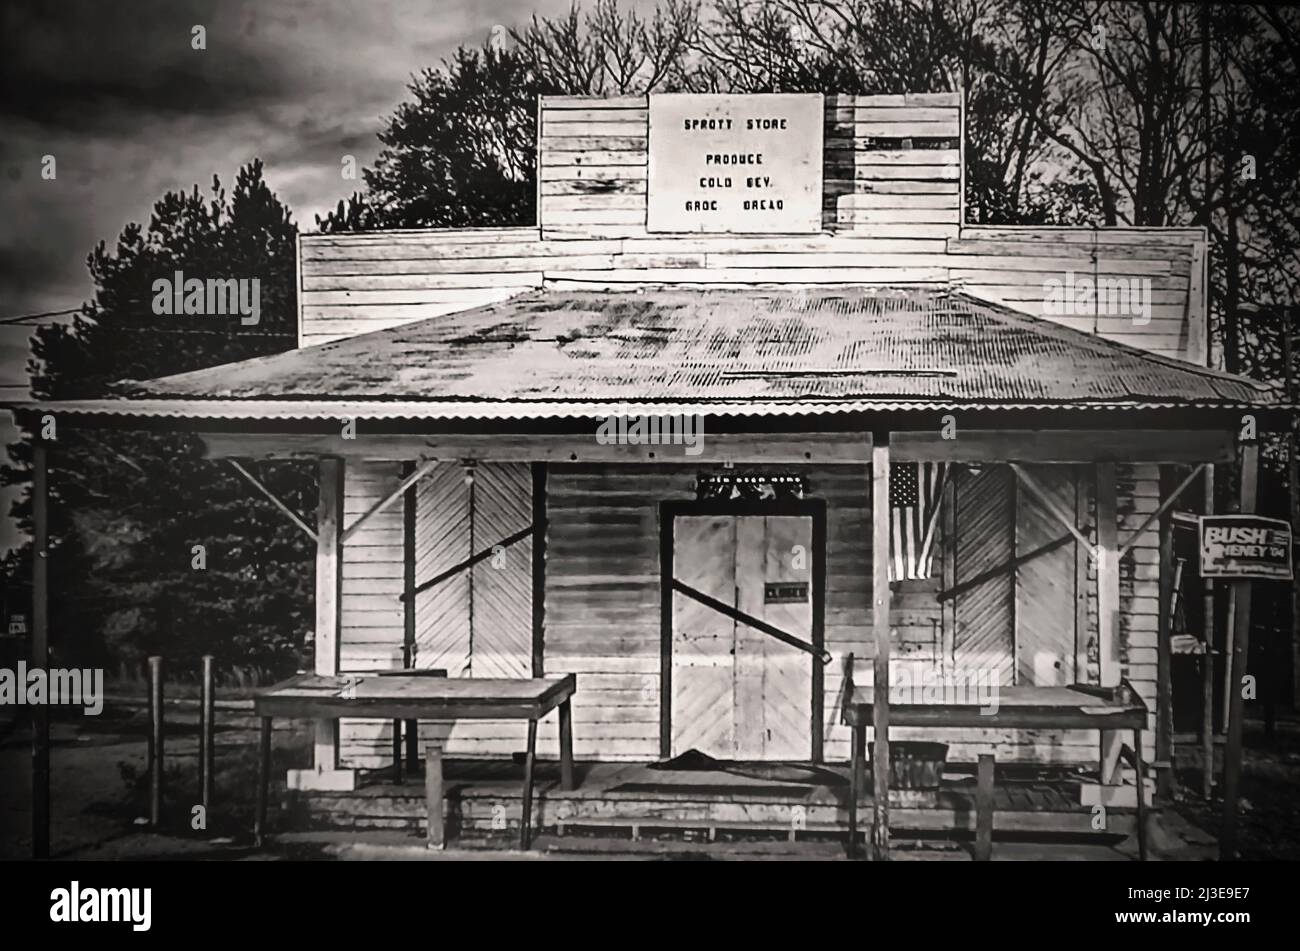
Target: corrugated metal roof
x,y
751,351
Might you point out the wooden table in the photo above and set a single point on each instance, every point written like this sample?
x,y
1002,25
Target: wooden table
x,y
309,696
1076,707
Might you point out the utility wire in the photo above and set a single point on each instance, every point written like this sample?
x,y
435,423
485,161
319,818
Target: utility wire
x,y
22,318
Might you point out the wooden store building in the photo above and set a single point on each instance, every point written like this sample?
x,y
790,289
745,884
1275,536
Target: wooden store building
x,y
749,422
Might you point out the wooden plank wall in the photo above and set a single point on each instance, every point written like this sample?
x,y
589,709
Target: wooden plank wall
x,y
602,612
1139,584
475,624
395,278
355,283
892,216
1014,265
892,166
371,635
592,166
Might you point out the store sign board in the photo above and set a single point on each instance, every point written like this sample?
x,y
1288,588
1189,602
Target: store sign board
x,y
735,164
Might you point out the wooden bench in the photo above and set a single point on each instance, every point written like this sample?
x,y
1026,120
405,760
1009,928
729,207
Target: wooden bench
x,y
1075,707
413,698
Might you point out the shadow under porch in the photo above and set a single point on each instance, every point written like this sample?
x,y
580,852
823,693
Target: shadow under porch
x,y
752,802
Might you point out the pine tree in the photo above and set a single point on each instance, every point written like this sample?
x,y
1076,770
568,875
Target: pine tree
x,y
127,508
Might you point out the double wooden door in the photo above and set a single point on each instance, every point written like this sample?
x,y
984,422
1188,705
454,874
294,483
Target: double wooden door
x,y
739,693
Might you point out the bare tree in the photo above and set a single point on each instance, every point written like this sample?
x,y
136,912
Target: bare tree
x,y
613,51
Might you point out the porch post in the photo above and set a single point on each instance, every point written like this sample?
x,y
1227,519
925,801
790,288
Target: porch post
x,y
1107,559
1239,610
1107,575
1207,663
880,601
410,503
539,472
1164,755
40,650
325,774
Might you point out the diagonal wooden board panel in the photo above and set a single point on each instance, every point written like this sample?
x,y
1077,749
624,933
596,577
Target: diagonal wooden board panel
x,y
442,540
503,592
479,621
703,640
983,635
787,671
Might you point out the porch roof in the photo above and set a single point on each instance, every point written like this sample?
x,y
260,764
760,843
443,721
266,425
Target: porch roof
x,y
775,351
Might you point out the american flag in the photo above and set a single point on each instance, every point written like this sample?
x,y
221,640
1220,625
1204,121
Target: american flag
x,y
915,492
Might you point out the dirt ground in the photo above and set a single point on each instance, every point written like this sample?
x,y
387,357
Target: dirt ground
x,y
99,779
99,799
1269,816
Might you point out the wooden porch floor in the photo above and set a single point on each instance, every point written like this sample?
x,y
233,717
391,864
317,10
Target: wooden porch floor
x,y
792,801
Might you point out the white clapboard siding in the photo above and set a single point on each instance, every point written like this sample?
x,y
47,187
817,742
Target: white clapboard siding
x,y
891,214
372,628
1021,267
741,277
395,285
886,157
1138,497
588,149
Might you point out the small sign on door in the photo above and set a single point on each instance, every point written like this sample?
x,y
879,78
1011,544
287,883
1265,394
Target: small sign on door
x,y
785,592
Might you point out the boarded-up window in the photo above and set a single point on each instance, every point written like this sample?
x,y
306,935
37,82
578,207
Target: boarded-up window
x,y
478,621
1020,623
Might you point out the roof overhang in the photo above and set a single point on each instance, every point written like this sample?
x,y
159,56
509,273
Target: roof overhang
x,y
754,360
326,416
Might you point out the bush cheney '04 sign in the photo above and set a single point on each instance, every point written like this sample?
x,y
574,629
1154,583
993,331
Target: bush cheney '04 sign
x,y
735,164
1245,547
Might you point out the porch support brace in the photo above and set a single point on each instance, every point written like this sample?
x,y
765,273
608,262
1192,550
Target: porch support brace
x,y
468,563
257,484
949,593
410,480
1044,497
1239,611
325,774
1164,506
880,603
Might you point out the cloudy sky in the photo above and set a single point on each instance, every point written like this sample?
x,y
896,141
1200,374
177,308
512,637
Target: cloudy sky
x,y
116,93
